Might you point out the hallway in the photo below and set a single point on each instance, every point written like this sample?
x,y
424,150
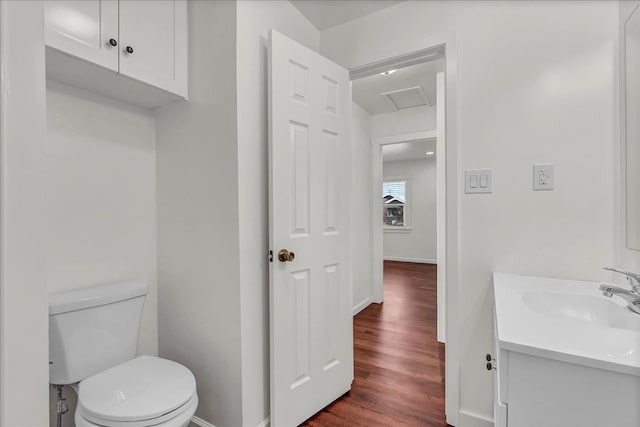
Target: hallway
x,y
399,365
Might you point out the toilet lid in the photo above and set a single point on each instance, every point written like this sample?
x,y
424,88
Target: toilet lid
x,y
140,389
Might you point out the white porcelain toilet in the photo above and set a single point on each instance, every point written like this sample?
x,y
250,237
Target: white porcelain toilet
x,y
92,343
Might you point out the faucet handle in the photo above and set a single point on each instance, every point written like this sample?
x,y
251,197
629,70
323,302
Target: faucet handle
x,y
634,278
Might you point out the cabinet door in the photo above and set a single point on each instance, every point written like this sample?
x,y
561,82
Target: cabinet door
x,y
154,42
84,29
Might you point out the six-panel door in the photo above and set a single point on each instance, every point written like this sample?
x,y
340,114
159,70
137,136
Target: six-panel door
x,y
310,296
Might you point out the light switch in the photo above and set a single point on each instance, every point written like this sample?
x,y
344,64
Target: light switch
x,y
478,181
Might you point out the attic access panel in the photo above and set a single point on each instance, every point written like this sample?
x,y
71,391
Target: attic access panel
x,y
407,98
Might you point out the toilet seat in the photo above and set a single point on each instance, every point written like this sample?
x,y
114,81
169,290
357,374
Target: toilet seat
x,y
181,417
142,392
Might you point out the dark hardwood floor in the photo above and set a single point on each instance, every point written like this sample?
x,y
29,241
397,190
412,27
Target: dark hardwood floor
x,y
399,365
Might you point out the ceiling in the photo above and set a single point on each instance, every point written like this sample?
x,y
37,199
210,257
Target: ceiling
x,y
409,150
324,14
367,91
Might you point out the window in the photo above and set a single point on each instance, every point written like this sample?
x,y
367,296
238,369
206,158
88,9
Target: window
x,y
394,203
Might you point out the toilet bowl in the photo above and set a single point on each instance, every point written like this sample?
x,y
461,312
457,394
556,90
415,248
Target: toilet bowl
x,y
93,334
146,391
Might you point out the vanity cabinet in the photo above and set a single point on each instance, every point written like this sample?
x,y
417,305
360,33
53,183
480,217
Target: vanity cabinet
x,y
134,50
564,355
532,391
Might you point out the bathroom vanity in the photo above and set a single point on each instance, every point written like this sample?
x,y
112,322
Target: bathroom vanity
x,y
565,355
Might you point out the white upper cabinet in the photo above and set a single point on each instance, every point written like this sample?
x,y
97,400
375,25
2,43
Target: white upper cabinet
x,y
154,44
84,29
134,50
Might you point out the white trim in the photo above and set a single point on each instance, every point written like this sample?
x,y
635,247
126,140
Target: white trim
x,y
441,212
417,260
473,419
423,135
265,422
401,61
200,422
362,305
392,229
3,109
376,230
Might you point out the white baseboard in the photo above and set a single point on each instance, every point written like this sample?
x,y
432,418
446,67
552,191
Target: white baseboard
x,y
418,260
361,306
473,419
202,423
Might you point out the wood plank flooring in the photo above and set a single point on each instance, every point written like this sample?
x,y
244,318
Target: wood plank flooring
x,y
399,365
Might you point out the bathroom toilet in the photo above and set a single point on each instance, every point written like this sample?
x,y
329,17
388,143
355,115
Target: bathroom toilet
x,y
92,341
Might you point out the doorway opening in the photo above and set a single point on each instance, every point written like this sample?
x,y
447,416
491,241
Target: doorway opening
x,y
404,98
408,152
403,104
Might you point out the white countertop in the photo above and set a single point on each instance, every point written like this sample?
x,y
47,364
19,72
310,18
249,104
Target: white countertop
x,y
546,317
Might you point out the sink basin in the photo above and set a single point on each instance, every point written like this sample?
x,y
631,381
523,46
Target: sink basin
x,y
597,310
566,320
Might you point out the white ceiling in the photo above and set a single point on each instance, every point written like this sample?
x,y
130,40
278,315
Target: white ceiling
x,y
324,14
367,91
408,150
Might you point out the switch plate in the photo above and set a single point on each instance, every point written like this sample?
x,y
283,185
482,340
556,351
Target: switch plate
x,y
478,181
542,176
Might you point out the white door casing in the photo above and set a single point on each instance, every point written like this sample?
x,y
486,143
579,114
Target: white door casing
x,y
441,205
311,324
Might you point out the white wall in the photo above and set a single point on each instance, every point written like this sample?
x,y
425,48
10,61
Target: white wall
x,y
361,212
545,93
101,203
24,319
418,244
254,20
199,311
403,121
100,173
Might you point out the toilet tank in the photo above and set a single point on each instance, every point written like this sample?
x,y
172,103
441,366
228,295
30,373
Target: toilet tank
x,y
93,329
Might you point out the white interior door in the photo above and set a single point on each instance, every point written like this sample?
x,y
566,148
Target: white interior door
x,y
311,330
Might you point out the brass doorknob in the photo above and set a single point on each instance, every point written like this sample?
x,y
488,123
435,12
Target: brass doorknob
x,y
284,255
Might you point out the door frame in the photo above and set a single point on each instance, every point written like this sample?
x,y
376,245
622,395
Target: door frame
x,y
378,176
446,48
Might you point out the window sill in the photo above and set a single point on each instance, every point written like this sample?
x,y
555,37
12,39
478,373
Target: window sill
x,y
397,229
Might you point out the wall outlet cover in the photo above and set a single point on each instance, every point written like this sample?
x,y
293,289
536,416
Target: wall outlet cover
x,y
542,176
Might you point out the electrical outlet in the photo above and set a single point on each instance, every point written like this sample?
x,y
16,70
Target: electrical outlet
x,y
543,177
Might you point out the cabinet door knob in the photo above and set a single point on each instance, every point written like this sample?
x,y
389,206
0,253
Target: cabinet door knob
x,y
128,49
113,42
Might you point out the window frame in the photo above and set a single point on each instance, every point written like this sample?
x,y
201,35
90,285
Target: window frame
x,y
406,226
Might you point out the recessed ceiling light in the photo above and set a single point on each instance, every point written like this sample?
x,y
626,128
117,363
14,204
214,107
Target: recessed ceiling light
x,y
388,73
430,153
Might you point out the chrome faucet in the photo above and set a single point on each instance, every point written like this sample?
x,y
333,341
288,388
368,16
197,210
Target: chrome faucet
x,y
632,297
